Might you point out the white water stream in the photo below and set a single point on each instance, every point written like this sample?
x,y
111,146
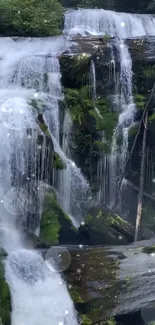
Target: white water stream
x,y
39,296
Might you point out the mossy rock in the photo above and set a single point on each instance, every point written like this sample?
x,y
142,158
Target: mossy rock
x,y
89,271
56,226
57,162
5,298
149,249
105,227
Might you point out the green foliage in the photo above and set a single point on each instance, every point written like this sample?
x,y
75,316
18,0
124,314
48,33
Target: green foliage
x,y
151,117
75,295
152,322
88,218
31,17
103,146
149,72
106,37
111,321
140,101
5,299
53,220
149,249
133,129
50,228
85,320
57,162
128,280
78,102
106,122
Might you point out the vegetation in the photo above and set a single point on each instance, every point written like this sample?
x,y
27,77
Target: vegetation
x,y
5,299
30,17
85,320
149,249
57,162
55,224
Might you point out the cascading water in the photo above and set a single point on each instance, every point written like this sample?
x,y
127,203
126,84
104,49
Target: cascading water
x,y
23,164
106,22
120,26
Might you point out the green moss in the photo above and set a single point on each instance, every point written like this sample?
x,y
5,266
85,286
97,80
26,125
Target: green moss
x,y
5,299
128,280
140,101
54,221
106,37
77,68
149,72
111,321
78,103
103,146
50,227
133,130
75,295
149,249
88,218
57,162
31,18
106,121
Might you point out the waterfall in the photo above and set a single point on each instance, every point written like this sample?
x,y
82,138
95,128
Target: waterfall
x,y
106,22
23,166
121,26
40,72
127,111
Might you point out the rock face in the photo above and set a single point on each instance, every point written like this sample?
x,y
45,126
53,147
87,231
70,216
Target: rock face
x,y
105,281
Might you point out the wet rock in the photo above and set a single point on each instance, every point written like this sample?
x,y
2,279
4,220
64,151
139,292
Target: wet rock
x,y
102,285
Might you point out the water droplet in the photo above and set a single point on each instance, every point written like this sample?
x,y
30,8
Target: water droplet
x,y
82,223
123,24
58,259
66,312
35,95
3,109
73,163
78,271
80,246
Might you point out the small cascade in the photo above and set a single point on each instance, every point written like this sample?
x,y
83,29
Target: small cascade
x,y
93,83
32,281
107,22
127,111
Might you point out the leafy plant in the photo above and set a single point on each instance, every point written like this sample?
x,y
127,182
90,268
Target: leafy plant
x,y
30,17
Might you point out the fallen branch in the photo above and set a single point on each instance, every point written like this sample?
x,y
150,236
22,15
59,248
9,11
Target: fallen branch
x,y
141,182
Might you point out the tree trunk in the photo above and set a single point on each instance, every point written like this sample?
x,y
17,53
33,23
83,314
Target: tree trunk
x,y
142,173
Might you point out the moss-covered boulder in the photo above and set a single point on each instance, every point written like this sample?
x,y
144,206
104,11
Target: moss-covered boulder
x,y
105,227
30,17
56,227
5,299
93,282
